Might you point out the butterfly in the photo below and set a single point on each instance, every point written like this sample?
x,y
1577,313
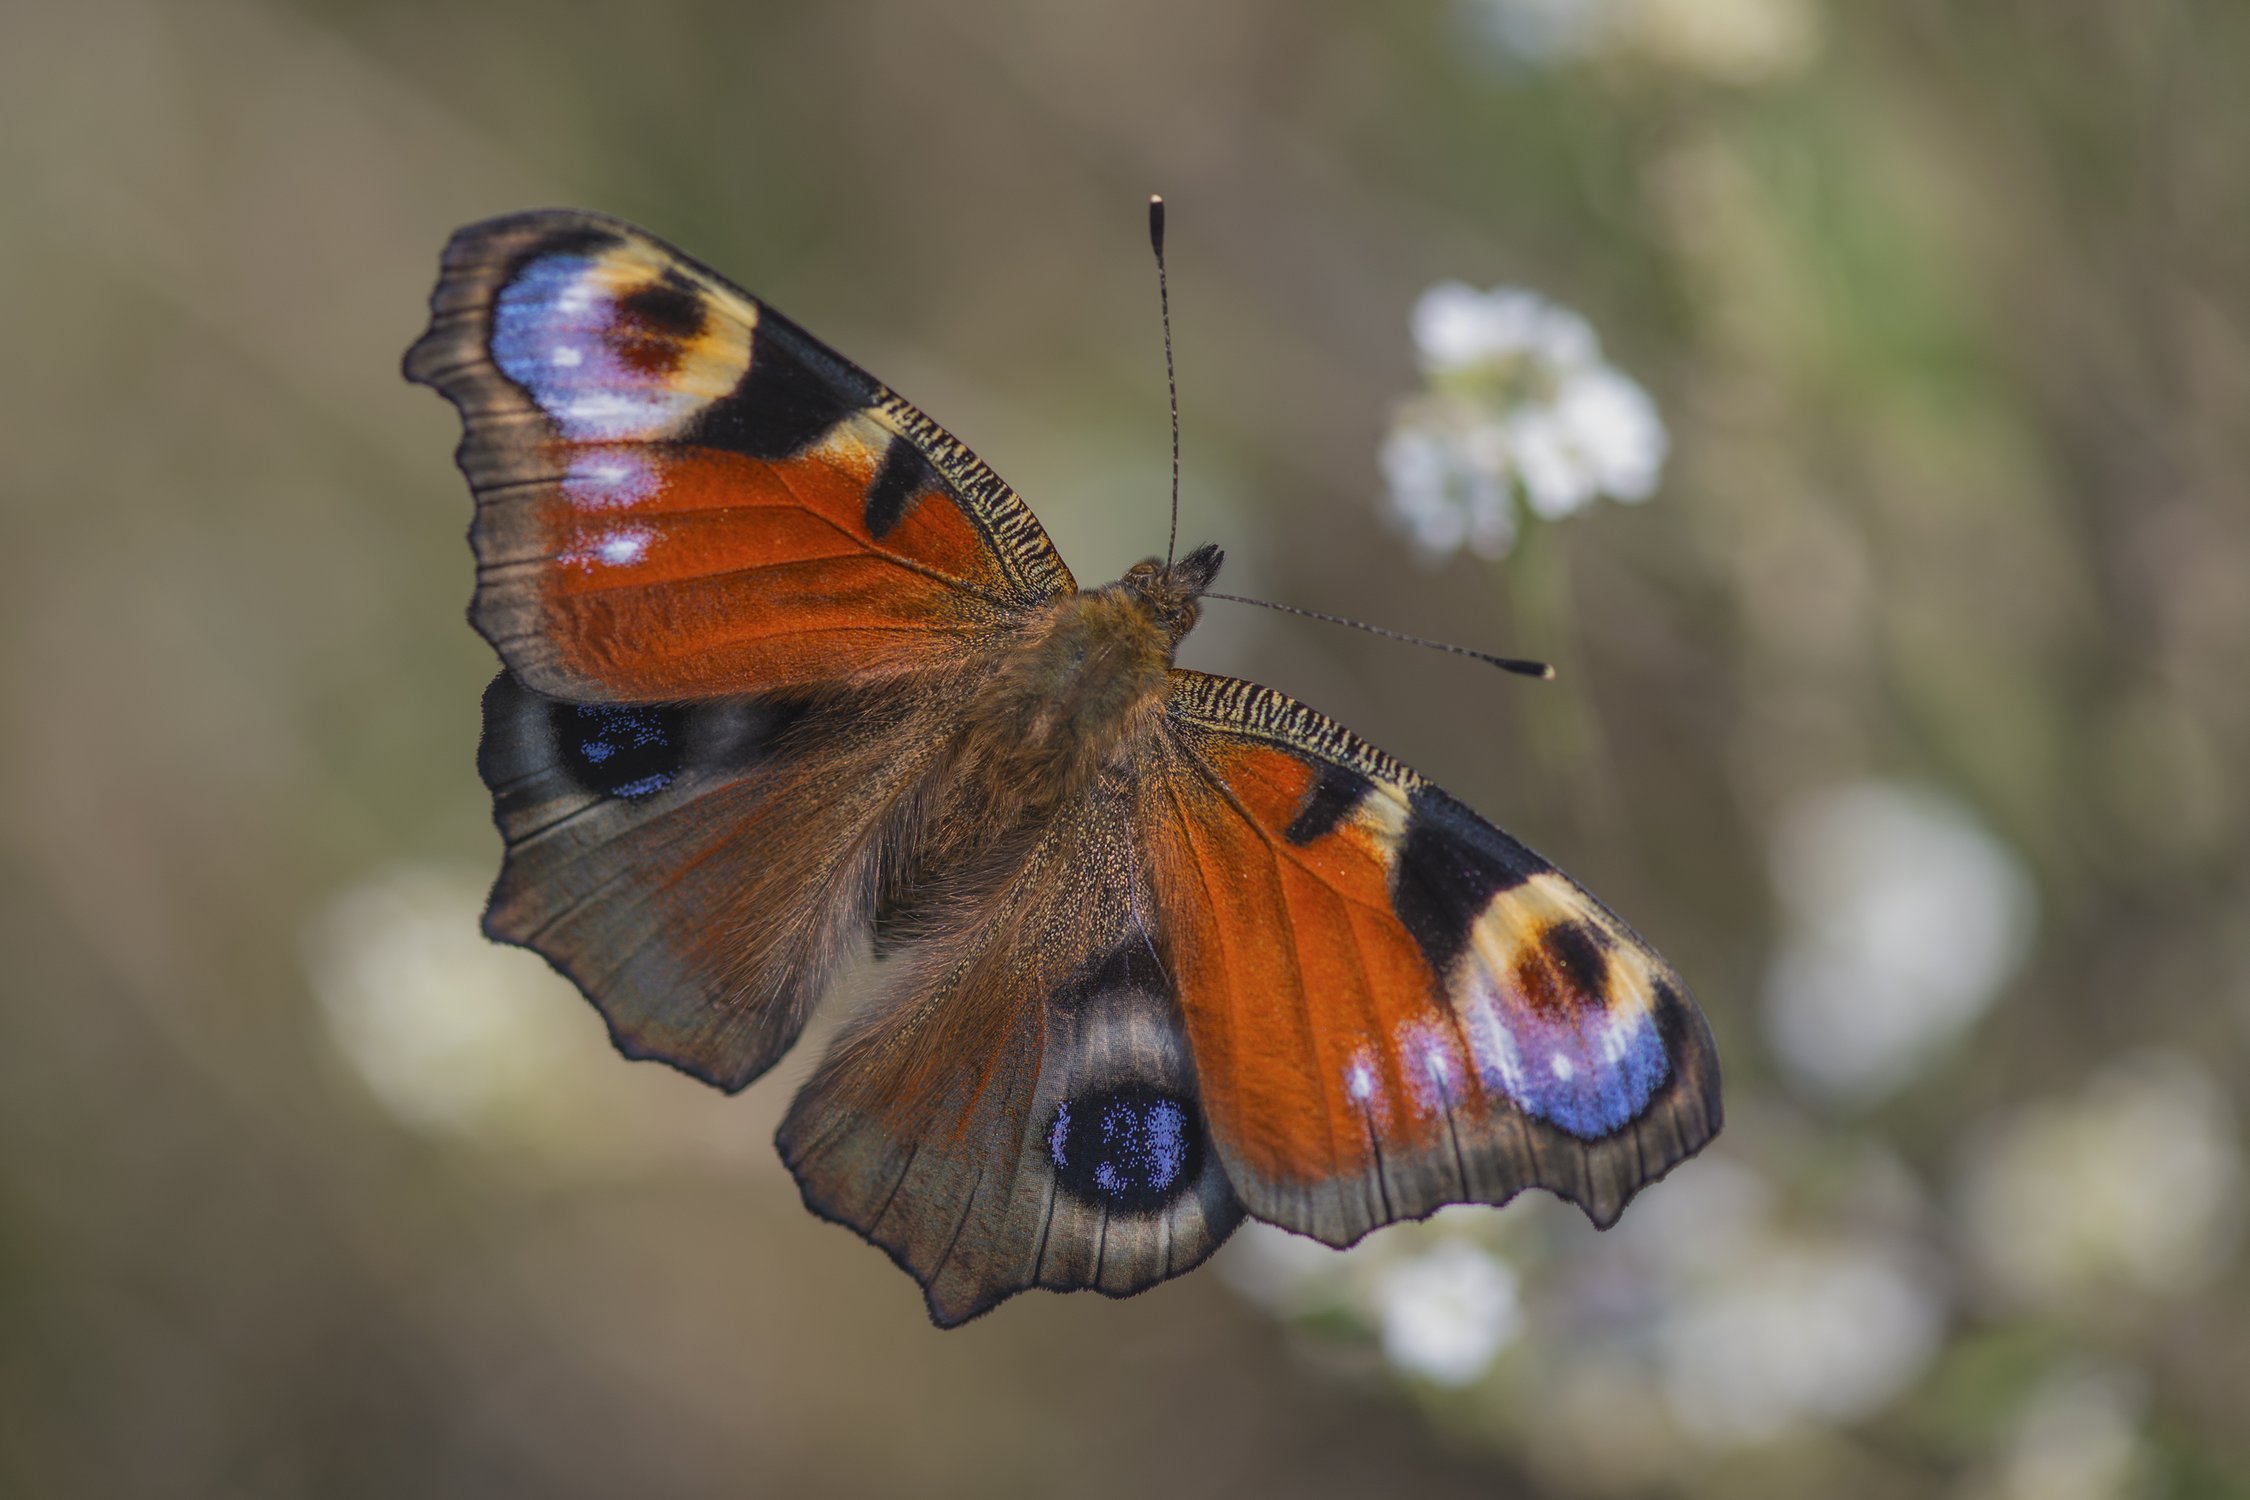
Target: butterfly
x,y
794,686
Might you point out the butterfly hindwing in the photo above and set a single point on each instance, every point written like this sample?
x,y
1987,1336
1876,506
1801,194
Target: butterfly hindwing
x,y
1021,1108
681,494
1393,1005
701,870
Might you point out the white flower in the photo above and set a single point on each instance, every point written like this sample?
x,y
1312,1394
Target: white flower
x,y
1447,1312
1796,1332
1703,1221
2078,1438
1904,920
1602,436
1460,329
1280,1271
445,1028
1442,494
1707,1301
1758,1327
1519,401
2136,1185
1441,1303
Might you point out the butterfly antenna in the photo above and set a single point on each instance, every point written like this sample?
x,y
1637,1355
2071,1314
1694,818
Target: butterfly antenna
x,y
1171,384
1517,665
1522,668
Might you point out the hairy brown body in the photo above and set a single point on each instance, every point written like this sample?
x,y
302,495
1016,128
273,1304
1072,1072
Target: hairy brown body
x,y
1085,686
1028,816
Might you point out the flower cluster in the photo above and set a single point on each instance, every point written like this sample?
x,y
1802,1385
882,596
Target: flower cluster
x,y
2133,1188
1518,404
449,1032
475,1045
1716,1309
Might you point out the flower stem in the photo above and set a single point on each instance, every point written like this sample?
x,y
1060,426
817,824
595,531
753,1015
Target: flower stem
x,y
1562,731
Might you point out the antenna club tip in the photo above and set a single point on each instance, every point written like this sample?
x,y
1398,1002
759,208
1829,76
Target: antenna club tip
x,y
1156,222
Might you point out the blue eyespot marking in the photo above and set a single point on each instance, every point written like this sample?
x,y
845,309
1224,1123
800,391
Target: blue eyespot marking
x,y
1130,1149
1590,1073
619,751
583,352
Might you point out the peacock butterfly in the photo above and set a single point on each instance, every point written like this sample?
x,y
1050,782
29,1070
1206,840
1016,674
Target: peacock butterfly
x,y
790,677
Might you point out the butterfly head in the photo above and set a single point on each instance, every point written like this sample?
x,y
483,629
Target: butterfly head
x,y
1172,589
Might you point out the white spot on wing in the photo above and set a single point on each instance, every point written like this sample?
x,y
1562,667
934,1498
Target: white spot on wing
x,y
611,414
1493,1046
612,549
1432,1063
609,479
1363,1083
625,547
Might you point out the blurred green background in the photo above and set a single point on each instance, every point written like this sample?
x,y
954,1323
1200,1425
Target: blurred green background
x,y
1946,311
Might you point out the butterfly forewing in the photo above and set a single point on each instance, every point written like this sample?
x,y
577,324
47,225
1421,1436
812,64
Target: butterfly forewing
x,y
681,494
1393,1005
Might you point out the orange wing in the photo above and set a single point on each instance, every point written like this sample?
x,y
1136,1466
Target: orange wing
x,y
1392,1005
681,494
